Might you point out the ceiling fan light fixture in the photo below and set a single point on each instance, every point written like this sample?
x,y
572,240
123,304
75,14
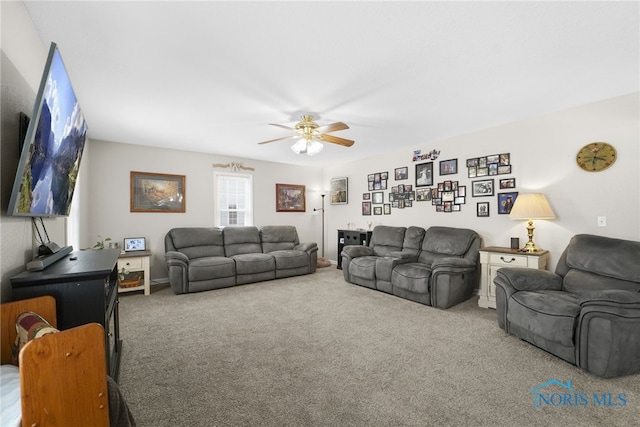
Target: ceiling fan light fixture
x,y
300,146
314,147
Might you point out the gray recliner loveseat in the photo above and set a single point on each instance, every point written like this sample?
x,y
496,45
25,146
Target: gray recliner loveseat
x,y
587,312
201,258
437,266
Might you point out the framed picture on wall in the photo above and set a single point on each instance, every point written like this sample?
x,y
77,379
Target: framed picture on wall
x,y
449,167
482,188
366,208
157,192
482,209
339,191
505,202
377,198
424,174
402,173
290,198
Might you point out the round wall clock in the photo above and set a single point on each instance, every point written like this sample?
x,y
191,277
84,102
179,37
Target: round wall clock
x,y
596,156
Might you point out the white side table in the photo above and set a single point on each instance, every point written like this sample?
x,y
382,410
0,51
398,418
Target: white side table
x,y
493,258
136,261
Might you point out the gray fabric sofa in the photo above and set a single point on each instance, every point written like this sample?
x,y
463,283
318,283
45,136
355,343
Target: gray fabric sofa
x,y
587,312
437,266
201,259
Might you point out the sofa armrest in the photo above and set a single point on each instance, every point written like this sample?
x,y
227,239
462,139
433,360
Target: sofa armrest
x,y
607,335
452,265
386,264
452,281
510,280
306,247
350,252
610,298
528,279
355,251
175,257
178,264
404,256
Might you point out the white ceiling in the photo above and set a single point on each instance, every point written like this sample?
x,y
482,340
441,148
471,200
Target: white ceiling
x,y
210,76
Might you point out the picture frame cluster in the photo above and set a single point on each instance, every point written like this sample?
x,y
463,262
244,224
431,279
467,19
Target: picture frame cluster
x,y
448,196
494,164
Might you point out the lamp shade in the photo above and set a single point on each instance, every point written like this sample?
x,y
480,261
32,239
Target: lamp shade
x,y
300,146
531,206
314,147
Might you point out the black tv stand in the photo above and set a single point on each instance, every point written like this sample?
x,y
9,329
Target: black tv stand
x,y
43,261
85,286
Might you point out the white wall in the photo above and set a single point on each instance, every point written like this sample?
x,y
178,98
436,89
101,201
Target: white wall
x,y
543,152
108,206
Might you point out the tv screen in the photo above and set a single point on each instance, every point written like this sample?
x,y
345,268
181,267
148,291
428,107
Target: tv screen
x,y
50,158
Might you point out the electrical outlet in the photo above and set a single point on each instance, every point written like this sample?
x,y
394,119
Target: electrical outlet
x,y
602,221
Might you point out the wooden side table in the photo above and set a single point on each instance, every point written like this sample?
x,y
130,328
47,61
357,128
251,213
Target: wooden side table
x,y
493,258
133,262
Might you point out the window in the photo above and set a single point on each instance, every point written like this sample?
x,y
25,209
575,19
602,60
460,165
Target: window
x,y
72,222
233,199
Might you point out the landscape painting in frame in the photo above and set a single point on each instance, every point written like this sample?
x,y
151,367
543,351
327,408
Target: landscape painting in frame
x,y
290,198
155,192
339,191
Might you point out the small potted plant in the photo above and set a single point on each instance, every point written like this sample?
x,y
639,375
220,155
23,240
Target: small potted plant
x,y
100,243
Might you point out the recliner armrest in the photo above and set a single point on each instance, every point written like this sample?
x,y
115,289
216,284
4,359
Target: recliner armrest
x,y
173,257
306,246
528,279
404,256
610,297
453,264
355,251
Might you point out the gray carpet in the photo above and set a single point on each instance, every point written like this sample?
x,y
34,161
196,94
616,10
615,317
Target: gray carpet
x,y
316,351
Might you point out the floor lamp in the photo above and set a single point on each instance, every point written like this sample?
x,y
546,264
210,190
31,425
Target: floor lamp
x,y
322,261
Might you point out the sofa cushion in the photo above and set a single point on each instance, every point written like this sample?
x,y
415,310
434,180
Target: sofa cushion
x,y
278,237
441,242
386,239
196,242
364,267
580,282
241,240
413,238
254,263
551,315
620,261
413,277
211,267
290,259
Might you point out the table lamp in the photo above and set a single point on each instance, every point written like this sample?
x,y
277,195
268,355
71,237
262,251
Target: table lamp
x,y
530,207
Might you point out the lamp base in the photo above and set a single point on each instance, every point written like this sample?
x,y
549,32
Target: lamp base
x,y
323,262
530,247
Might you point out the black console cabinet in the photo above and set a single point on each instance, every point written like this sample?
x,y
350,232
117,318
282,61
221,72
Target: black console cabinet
x,y
351,237
85,286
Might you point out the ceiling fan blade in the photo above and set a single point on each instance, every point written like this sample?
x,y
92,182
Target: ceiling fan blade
x,y
336,140
332,127
283,126
279,139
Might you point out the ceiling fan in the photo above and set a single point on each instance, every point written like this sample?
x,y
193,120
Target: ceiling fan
x,y
310,136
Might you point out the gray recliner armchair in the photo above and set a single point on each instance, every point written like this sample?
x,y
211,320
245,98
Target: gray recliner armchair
x,y
587,312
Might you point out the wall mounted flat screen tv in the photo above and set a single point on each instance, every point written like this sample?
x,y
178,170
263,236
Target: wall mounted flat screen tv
x,y
55,139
